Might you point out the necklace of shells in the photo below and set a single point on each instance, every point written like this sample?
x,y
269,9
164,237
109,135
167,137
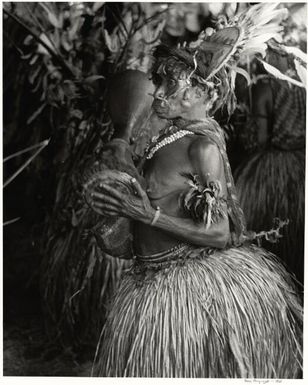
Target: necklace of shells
x,y
168,136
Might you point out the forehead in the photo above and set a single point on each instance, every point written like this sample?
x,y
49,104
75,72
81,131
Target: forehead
x,y
172,68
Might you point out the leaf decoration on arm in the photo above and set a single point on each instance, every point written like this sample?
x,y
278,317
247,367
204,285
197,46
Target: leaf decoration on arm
x,y
203,202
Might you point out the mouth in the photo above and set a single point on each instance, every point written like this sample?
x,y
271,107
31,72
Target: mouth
x,y
160,105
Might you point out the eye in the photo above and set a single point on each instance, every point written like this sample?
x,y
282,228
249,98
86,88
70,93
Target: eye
x,y
172,82
156,79
194,82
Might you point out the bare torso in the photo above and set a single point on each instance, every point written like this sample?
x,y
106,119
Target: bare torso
x,y
165,180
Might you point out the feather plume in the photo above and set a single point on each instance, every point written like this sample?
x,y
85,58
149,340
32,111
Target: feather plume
x,y
262,13
297,53
243,36
279,75
244,73
258,25
301,72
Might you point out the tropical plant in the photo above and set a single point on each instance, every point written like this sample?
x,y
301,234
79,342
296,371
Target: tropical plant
x,y
69,51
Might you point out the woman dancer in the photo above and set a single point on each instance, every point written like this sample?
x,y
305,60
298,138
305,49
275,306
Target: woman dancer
x,y
271,180
199,300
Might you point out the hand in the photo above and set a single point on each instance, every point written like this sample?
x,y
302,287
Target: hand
x,y
112,202
243,238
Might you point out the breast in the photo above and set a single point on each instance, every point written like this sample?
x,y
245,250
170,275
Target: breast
x,y
161,183
165,172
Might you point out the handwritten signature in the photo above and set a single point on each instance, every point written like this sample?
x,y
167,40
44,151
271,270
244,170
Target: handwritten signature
x,y
254,381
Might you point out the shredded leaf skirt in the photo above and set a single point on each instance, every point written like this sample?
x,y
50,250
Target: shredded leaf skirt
x,y
77,281
226,314
272,184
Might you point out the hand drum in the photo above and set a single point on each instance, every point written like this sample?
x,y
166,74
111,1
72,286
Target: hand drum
x,y
113,234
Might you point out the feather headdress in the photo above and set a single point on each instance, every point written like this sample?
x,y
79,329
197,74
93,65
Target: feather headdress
x,y
245,35
215,56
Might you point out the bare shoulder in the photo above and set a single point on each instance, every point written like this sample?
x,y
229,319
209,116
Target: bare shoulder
x,y
202,148
205,159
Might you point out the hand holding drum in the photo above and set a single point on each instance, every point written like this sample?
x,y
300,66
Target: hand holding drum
x,y
129,105
119,180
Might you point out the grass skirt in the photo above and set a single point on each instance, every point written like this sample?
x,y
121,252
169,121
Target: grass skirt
x,y
78,280
272,184
232,313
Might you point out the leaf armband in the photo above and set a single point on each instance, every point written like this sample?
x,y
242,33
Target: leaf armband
x,y
203,203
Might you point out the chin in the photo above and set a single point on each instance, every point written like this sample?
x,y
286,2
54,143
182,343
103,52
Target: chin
x,y
163,111
162,114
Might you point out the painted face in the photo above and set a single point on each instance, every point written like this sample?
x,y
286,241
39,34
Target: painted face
x,y
169,94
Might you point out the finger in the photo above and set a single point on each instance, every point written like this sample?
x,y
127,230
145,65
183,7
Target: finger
x,y
138,188
112,191
105,209
104,198
112,214
106,205
109,213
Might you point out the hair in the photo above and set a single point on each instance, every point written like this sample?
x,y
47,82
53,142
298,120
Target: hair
x,y
195,64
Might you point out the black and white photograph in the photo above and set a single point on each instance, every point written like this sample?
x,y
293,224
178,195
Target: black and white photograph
x,y
153,190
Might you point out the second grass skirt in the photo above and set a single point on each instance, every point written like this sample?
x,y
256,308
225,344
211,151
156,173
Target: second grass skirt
x,y
272,184
226,314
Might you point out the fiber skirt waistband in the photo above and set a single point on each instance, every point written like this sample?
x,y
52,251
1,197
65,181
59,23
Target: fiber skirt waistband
x,y
177,252
164,256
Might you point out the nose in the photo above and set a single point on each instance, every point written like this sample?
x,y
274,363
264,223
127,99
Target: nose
x,y
159,93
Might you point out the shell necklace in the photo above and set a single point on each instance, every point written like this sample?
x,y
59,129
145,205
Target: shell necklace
x,y
165,138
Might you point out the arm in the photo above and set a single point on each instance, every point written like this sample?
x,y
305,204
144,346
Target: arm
x,y
216,235
206,161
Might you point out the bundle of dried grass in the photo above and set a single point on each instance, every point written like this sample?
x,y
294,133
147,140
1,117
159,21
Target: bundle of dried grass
x,y
272,184
233,313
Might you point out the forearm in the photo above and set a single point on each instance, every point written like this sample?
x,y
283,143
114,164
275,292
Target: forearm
x,y
217,235
139,208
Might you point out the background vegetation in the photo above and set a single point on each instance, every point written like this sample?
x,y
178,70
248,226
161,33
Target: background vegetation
x,y
57,61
